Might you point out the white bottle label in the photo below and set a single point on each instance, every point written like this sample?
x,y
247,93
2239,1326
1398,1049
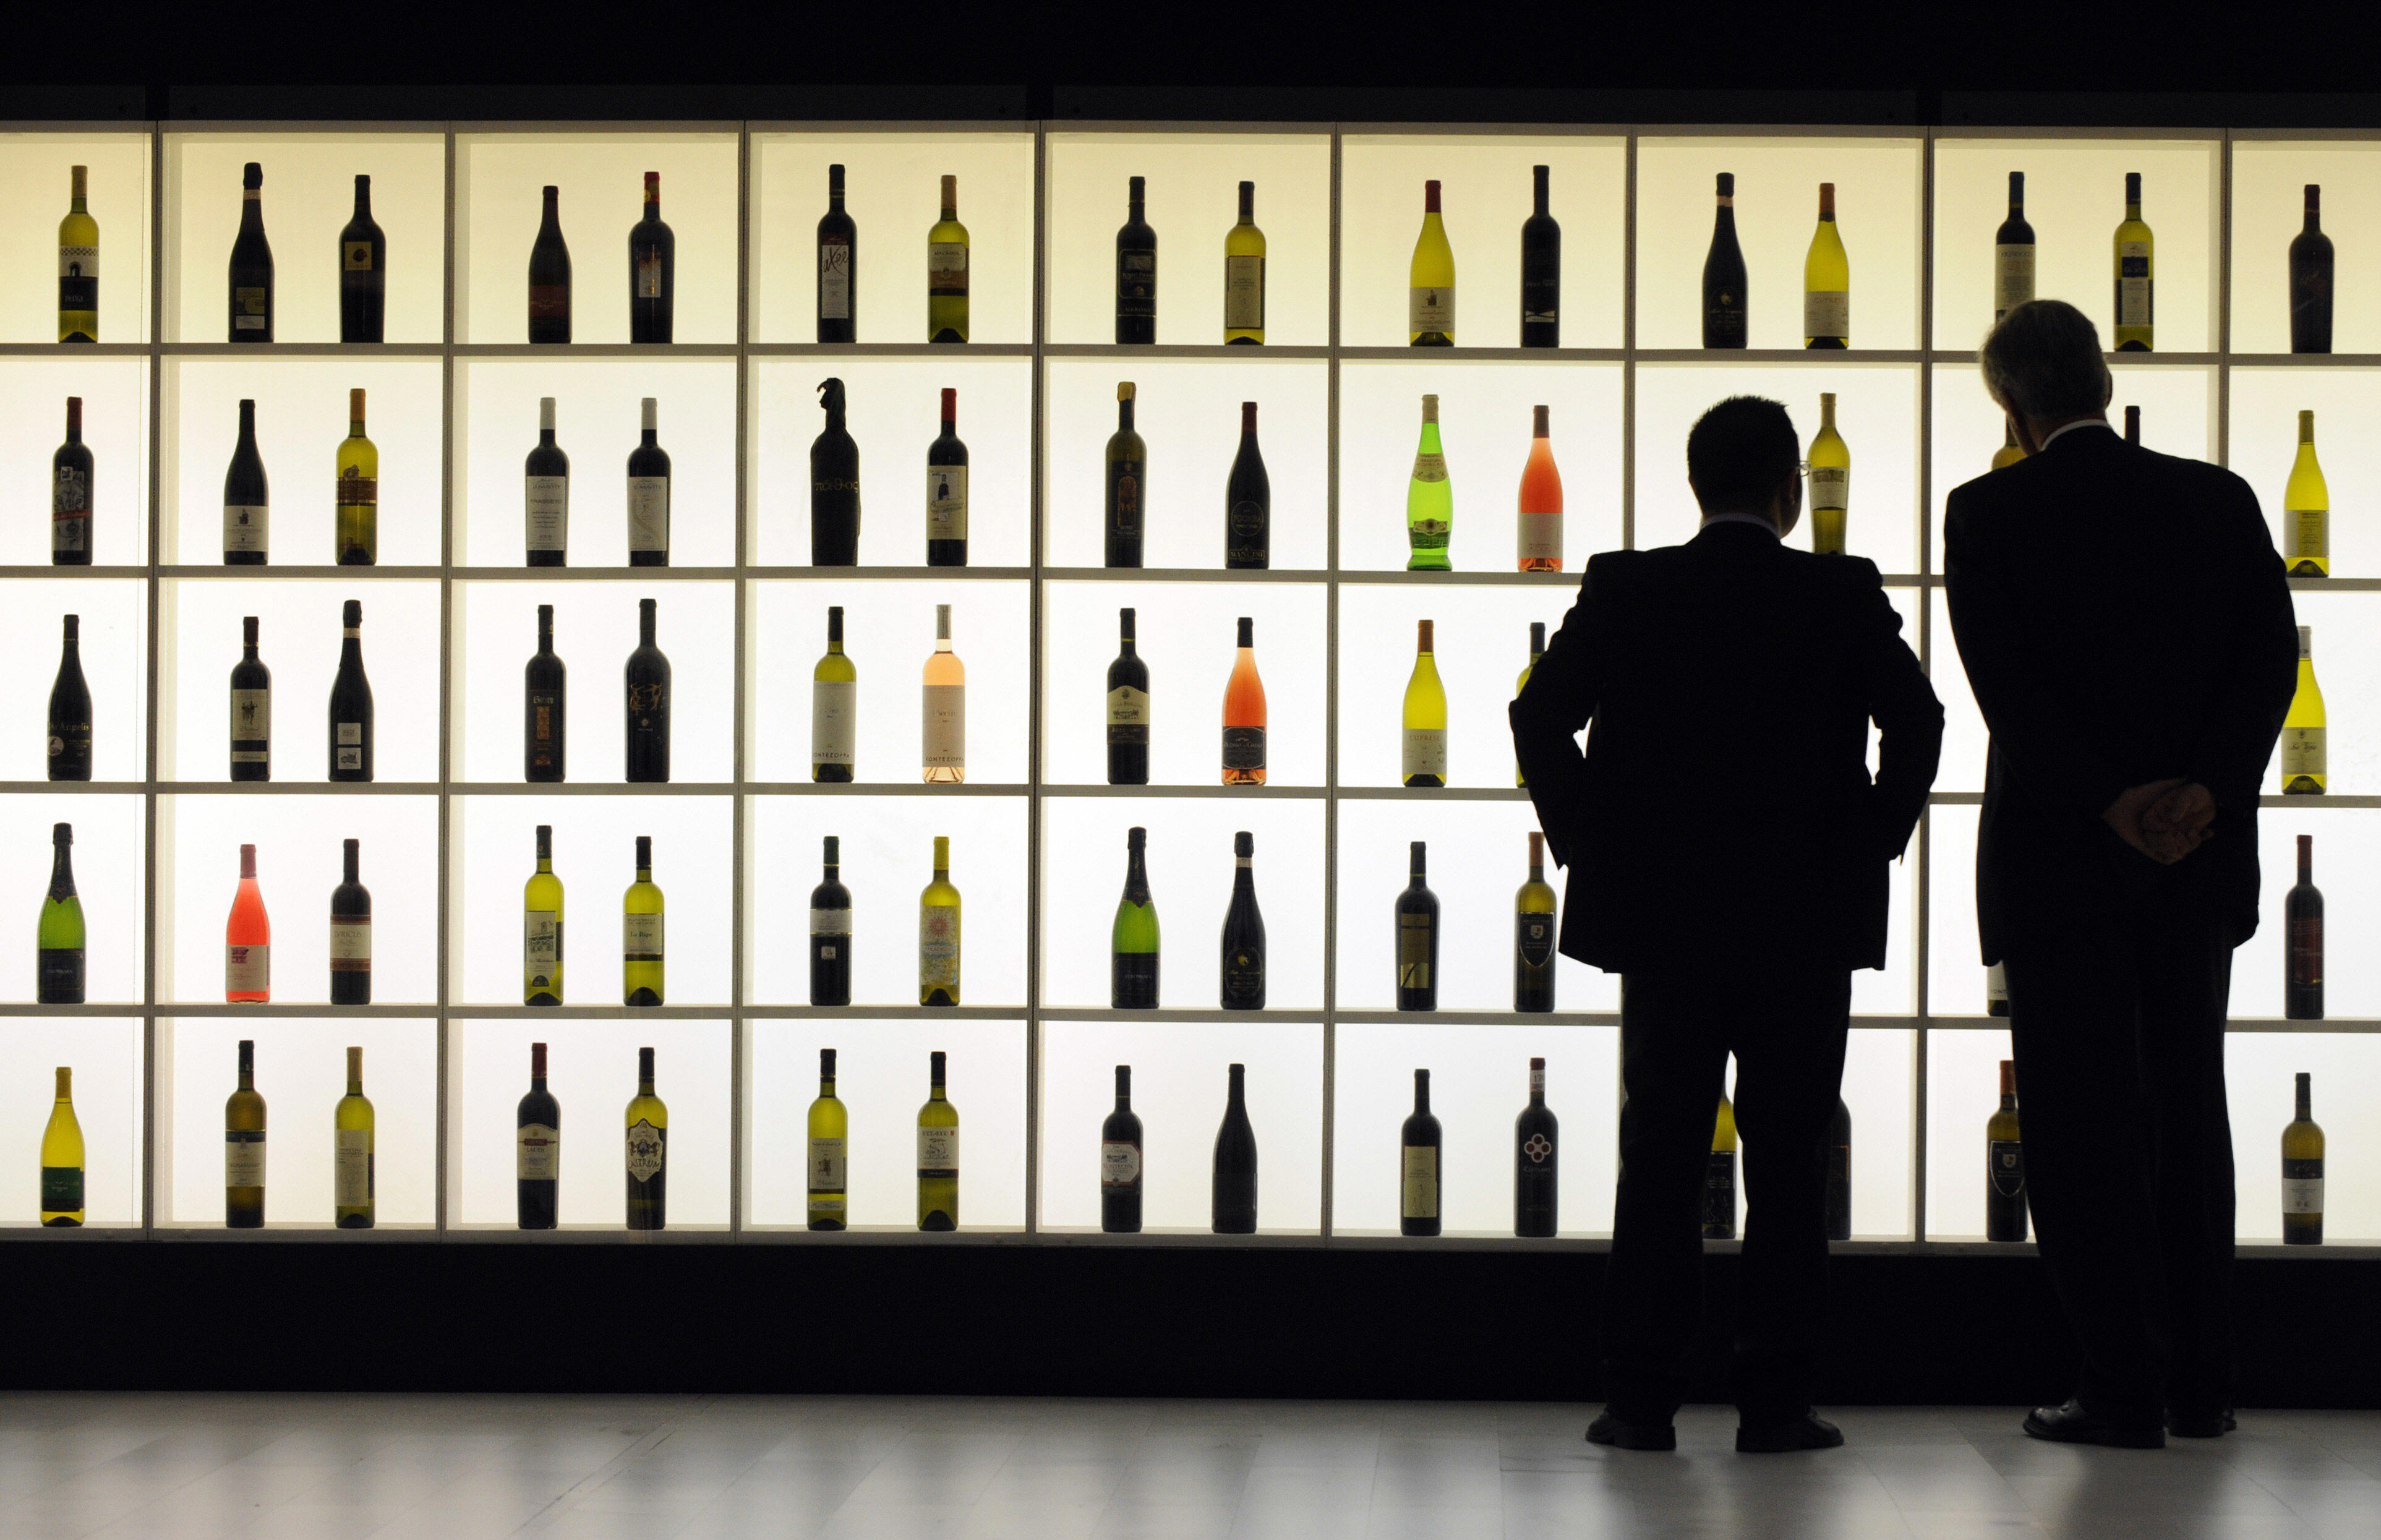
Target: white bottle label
x,y
77,261
548,509
1119,1163
1831,487
542,945
938,947
251,720
647,1146
2302,753
647,513
1431,310
1424,753
351,943
2012,278
830,922
537,1153
641,937
1129,707
1430,468
835,281
938,1151
947,501
351,745
351,1169
1541,536
947,265
248,970
834,721
826,1171
946,726
2133,283
243,1157
1244,293
2302,1194
244,527
1826,313
1420,1197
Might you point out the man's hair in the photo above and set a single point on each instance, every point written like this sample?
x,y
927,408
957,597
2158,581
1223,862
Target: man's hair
x,y
1740,452
2043,361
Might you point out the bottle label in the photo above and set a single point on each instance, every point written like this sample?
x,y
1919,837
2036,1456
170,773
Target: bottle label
x,y
1128,717
834,721
244,526
2305,944
62,1189
939,1152
1136,283
243,1157
1431,310
541,947
549,301
641,937
247,309
1420,1198
1541,536
348,745
1541,299
1826,313
1533,934
351,1169
648,273
1831,487
251,723
647,513
2302,753
827,1178
647,1147
351,943
248,970
549,511
537,1153
1244,293
2303,1186
2133,283
69,493
1414,933
1538,1150
938,947
66,735
78,278
60,971
1719,1194
835,281
1244,747
944,727
947,270
544,710
2008,1159
355,256
1120,1166
947,501
2012,278
357,490
1424,753
1248,526
2310,527
830,922
1430,466
1243,977
1124,496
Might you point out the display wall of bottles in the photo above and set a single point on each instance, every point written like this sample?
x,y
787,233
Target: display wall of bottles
x,y
670,485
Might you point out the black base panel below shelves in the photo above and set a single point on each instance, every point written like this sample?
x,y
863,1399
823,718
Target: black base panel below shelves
x,y
867,1319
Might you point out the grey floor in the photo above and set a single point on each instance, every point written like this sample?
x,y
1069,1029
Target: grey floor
x,y
264,1467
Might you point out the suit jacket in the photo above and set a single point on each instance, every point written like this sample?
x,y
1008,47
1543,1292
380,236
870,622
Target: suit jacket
x,y
2123,617
1723,808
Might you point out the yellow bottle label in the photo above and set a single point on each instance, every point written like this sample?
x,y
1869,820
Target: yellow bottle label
x,y
1420,1198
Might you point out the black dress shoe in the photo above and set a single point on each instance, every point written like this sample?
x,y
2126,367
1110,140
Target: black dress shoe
x,y
1610,1429
2201,1424
1809,1430
2071,1424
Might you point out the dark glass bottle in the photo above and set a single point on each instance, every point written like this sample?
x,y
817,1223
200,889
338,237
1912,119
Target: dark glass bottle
x,y
2310,281
831,933
653,270
1418,1169
1127,709
1534,932
1244,933
1541,271
835,486
1417,940
946,491
1127,486
251,710
648,677
549,276
2013,255
351,704
1719,1176
648,1152
251,264
546,495
537,1149
1235,1187
2133,426
1248,502
1136,271
2005,1204
351,932
2302,942
544,705
649,494
58,958
838,267
1537,1145
1724,300
69,723
364,273
70,467
248,502
1120,1162
1134,943
1837,1154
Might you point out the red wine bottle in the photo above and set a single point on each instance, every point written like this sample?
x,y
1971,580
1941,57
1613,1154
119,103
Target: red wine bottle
x,y
549,276
1541,271
835,486
838,265
251,264
1536,1143
1120,1162
2302,943
2310,281
653,270
364,273
545,702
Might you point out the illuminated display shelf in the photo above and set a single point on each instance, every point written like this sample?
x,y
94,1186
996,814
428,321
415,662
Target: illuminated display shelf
x,y
1036,832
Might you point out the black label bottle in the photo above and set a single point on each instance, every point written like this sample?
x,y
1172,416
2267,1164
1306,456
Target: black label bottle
x,y
1120,1162
1244,933
351,704
247,501
1136,271
1127,726
1537,1145
1418,1167
251,710
70,735
653,270
364,273
838,265
1248,502
1417,915
1725,324
648,680
549,276
835,486
831,932
544,706
351,932
537,1149
1234,1197
70,469
1541,270
251,264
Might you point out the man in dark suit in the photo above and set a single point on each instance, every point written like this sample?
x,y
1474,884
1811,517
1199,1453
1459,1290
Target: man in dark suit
x,y
2126,628
1729,856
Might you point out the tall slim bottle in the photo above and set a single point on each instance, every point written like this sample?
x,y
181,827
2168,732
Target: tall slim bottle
x,y
1430,498
938,1154
1537,650
1430,292
2302,1173
1719,1176
1419,1170
645,680
1132,939
1127,486
835,708
58,938
943,727
364,273
247,499
546,495
1248,502
838,265
2136,263
1533,935
1831,483
2010,451
355,515
1136,270
1826,281
827,1199
545,706
1539,533
1422,759
1417,915
2302,942
351,948
1233,1190
79,263
1836,1159
946,271
549,276
946,491
2012,254
354,1184
351,703
244,1148
2005,1208
537,1150
62,1155
939,933
647,1120
69,717
1541,270
1244,933
835,485
2310,281
1120,1159
1244,275
1128,727
641,954
2306,508
1244,714
1725,324
1536,1143
247,939
542,929
250,286
652,271
70,494
649,493
2301,752
831,932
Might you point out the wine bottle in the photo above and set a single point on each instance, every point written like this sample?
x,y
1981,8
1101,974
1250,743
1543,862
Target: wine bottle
x,y
1725,316
1417,911
646,678
1430,293
549,276
946,491
79,263
2012,254
1244,714
70,489
835,709
2306,508
1132,940
1997,990
1539,539
647,1117
1537,650
1536,1142
938,1154
1120,1158
942,732
831,933
547,482
244,1148
1541,270
69,723
829,1132
1244,275
2010,451
1533,935
1419,1173
838,272
1826,281
541,931
2005,1207
364,273
545,708
2301,1173
537,1147
252,711
1127,486
247,939
939,933
1248,502
1127,710
653,272
247,500
62,1153
351,950
2133,426
1831,483
251,283
2310,281
1422,743
1234,1199
354,1185
1136,271
58,956
351,704
2302,729
2136,270
649,494
1430,498
1719,1176
1836,1159
356,520
1244,933
641,934
2302,942
946,271
835,486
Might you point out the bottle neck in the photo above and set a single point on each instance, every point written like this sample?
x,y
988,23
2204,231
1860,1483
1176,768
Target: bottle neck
x,y
652,438
1125,647
2306,863
645,629
1136,878
351,878
545,865
1237,1100
827,1087
2306,1101
1124,415
645,873
1538,195
832,870
536,1081
645,1085
62,873
364,201
1537,871
546,438
1422,1100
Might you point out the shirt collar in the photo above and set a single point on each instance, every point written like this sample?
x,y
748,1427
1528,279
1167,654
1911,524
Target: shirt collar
x,y
2057,433
1757,520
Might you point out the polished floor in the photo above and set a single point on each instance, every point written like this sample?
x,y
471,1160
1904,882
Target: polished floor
x,y
265,1467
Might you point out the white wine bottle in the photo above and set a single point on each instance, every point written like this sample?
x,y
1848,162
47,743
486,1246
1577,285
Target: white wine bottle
x,y
641,934
1430,498
1826,281
1831,483
2306,505
943,734
1430,296
2136,261
647,1119
939,933
1719,1176
79,263
1537,650
541,928
62,1155
2302,729
835,708
938,1154
1423,745
2302,1174
353,1189
829,1128
1244,275
946,271
244,1148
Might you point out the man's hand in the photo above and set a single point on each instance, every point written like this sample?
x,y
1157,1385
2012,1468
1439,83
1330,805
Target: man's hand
x,y
2179,822
2124,816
